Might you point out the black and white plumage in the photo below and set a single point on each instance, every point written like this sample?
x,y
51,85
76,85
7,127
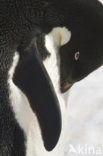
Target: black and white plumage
x,y
72,26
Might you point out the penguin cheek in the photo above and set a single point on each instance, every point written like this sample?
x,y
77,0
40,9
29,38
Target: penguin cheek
x,y
78,72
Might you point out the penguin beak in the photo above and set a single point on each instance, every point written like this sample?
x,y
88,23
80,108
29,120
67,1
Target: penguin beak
x,y
31,77
64,87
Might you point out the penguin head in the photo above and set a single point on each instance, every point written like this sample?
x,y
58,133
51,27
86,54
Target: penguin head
x,y
77,39
82,55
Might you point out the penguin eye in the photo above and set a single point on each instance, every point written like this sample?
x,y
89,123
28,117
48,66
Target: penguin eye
x,y
77,54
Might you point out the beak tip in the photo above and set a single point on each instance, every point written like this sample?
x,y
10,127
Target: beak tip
x,y
65,87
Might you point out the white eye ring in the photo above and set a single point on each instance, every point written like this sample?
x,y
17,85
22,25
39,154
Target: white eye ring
x,y
77,54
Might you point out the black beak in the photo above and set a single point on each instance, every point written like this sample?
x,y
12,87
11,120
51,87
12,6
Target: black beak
x,y
31,77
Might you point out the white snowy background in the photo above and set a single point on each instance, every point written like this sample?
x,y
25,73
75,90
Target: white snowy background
x,y
85,117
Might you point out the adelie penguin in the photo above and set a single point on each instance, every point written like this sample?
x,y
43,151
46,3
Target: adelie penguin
x,y
73,32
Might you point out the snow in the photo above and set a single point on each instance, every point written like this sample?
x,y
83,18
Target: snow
x,y
85,117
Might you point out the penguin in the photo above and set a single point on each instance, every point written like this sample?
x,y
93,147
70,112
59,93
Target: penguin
x,y
73,34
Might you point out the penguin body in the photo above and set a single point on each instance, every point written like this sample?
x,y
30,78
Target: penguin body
x,y
27,119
